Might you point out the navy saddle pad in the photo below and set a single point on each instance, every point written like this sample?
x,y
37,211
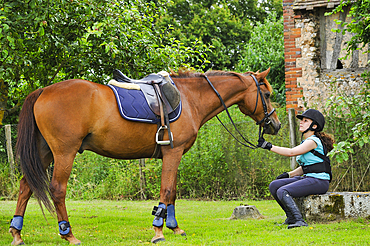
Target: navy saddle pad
x,y
133,106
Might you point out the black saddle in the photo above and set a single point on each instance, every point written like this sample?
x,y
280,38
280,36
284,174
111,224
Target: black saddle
x,y
162,97
150,79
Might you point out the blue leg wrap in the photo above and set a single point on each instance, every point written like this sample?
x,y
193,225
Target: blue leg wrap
x,y
17,222
171,220
158,221
64,227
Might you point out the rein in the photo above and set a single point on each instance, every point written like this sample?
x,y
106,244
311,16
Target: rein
x,y
265,119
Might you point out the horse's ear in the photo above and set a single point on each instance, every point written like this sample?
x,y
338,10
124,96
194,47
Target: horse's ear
x,y
263,75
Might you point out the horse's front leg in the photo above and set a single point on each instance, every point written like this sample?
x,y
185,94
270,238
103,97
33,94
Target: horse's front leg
x,y
62,170
166,207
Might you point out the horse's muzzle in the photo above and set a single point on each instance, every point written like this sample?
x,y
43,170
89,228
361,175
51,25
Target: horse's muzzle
x,y
271,127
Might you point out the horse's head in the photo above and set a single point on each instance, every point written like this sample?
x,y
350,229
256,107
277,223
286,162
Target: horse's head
x,y
256,102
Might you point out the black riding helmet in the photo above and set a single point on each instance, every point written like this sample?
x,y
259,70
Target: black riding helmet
x,y
317,118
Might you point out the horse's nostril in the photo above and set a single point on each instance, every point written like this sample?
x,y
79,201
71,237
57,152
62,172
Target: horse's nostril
x,y
277,128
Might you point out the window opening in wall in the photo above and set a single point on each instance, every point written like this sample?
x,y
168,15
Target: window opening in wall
x,y
339,64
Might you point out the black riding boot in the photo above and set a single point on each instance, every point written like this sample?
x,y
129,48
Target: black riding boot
x,y
289,217
291,206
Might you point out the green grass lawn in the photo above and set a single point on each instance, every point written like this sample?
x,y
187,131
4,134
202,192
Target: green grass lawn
x,y
205,222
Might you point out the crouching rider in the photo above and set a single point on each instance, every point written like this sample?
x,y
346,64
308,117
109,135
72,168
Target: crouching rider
x,y
314,172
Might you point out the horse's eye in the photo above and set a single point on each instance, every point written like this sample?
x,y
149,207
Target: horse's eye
x,y
267,95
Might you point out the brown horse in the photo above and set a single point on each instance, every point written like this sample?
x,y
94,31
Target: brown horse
x,y
75,115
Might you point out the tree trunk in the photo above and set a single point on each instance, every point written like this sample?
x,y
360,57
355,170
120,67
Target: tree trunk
x,y
9,149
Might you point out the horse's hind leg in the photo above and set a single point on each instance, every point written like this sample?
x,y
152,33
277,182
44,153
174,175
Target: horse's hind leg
x,y
62,170
17,221
25,194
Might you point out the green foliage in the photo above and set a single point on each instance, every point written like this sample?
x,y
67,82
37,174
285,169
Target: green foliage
x,y
4,179
96,177
359,25
9,183
44,42
351,113
226,25
265,49
3,154
349,120
84,39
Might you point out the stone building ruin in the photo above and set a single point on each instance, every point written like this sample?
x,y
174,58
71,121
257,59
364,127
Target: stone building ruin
x,y
313,52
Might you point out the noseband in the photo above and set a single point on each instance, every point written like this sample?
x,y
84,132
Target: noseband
x,y
266,119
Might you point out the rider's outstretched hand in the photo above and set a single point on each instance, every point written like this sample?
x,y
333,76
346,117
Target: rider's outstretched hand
x,y
262,143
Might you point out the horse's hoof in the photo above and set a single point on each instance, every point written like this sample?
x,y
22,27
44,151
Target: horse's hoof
x,y
157,240
178,231
17,240
22,243
70,238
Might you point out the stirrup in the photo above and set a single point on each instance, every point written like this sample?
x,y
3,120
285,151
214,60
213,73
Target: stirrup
x,y
162,142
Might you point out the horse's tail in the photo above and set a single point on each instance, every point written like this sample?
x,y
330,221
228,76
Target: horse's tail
x,y
27,152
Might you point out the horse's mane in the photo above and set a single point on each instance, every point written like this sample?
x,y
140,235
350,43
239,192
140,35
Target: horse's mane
x,y
193,74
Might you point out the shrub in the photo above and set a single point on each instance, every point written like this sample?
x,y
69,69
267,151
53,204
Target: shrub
x,y
349,119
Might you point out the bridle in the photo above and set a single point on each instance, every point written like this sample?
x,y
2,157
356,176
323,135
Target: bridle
x,y
259,92
265,119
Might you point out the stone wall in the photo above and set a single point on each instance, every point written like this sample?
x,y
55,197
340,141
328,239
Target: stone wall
x,y
312,55
334,206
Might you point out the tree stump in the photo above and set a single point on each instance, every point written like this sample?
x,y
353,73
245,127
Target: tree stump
x,y
246,212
